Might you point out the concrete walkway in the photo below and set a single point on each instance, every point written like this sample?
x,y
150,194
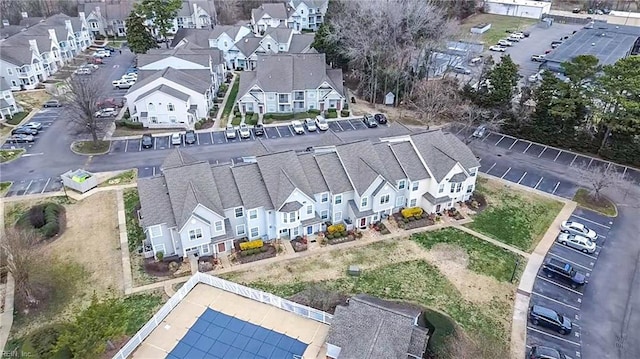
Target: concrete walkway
x,y
217,125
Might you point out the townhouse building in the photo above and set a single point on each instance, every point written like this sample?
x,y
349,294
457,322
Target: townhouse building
x,y
30,57
296,14
8,105
285,83
193,207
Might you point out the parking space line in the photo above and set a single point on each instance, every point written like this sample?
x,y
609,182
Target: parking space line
x,y
460,130
155,142
558,155
558,285
337,123
487,136
525,150
351,124
140,146
553,336
601,236
211,136
45,185
589,165
508,169
513,144
197,140
126,145
590,221
154,171
625,171
291,130
537,184
544,149
577,251
573,160
570,262
608,165
555,188
493,165
27,189
278,131
521,178
555,301
501,138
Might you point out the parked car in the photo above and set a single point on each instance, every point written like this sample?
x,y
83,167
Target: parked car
x,y
96,60
555,44
258,130
21,138
549,318
526,33
518,34
130,77
123,84
110,102
106,112
547,51
580,229
110,49
176,139
90,66
52,103
514,38
310,125
555,268
576,10
35,125
147,140
298,129
101,54
322,123
230,131
381,118
505,42
190,137
23,130
578,242
480,131
370,121
538,352
538,58
83,71
461,70
497,48
244,130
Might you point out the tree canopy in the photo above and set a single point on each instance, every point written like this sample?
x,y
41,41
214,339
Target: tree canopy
x,y
161,13
139,39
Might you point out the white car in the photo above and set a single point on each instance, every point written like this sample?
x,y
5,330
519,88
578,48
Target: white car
x,y
101,54
519,35
83,71
176,139
497,48
122,84
130,77
513,38
504,42
578,242
298,129
322,123
244,131
579,229
230,132
106,112
311,124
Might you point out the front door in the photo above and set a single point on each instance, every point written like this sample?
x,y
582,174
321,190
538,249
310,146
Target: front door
x,y
363,222
438,208
221,248
310,230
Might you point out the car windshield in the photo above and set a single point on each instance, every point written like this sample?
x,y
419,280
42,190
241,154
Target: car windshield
x,y
322,120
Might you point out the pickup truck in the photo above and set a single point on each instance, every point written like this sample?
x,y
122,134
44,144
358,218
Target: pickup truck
x,y
538,58
122,84
554,268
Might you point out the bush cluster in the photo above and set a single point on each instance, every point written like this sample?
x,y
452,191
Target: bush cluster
x,y
331,114
340,227
344,113
314,111
412,212
129,124
250,252
43,217
251,245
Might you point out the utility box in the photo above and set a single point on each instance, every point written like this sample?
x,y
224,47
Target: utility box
x,y
353,271
79,180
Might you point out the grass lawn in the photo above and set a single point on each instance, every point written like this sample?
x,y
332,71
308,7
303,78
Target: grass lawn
x,y
5,130
90,147
4,187
499,26
125,177
484,258
518,218
8,155
231,100
131,206
127,131
604,205
285,117
17,118
236,121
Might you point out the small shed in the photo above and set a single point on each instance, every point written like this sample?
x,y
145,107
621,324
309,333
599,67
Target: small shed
x,y
480,28
79,180
389,99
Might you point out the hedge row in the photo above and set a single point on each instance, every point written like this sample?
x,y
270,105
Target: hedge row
x,y
44,217
129,124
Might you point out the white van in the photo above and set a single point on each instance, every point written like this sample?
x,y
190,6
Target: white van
x,y
475,61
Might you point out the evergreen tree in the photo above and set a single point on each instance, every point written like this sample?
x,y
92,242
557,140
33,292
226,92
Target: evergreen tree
x,y
161,13
139,38
503,79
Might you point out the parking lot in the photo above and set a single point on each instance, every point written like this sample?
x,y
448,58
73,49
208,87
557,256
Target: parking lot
x,y
35,186
218,137
557,295
46,117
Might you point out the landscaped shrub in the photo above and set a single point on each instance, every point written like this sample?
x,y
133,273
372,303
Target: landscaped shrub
x,y
344,113
313,111
36,216
412,212
160,256
198,125
251,245
330,110
336,228
43,217
129,124
333,114
44,341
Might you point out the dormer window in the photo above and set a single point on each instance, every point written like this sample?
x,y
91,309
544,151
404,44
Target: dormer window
x,y
239,212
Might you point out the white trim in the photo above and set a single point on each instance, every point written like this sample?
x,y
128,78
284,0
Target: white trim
x,y
195,231
206,249
251,232
151,228
255,210
244,230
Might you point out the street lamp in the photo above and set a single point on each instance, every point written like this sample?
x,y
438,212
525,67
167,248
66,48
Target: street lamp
x,y
64,188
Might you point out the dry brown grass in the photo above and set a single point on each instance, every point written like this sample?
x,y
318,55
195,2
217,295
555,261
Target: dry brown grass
x,y
32,99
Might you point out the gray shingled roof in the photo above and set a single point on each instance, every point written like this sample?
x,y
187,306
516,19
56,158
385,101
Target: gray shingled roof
x,y
199,37
284,73
229,194
196,80
280,34
4,104
458,177
307,222
154,202
300,43
10,30
361,163
248,44
291,207
333,172
409,160
251,186
178,158
389,160
275,11
281,174
369,328
310,3
193,54
167,90
110,12
441,152
356,211
313,173
429,197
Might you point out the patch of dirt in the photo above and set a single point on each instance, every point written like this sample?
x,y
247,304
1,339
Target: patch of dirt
x,y
31,99
400,114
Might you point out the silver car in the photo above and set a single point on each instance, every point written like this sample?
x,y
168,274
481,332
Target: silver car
x,y
176,139
230,131
244,131
579,229
577,242
311,124
322,123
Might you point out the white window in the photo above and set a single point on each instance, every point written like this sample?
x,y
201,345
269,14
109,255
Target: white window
x,y
384,199
283,98
337,199
195,234
155,231
254,232
414,186
364,202
170,107
151,107
206,249
218,226
473,172
285,217
470,188
292,217
173,119
402,184
337,217
324,198
240,230
253,214
9,72
441,188
458,187
309,209
239,212
453,187
399,201
413,203
324,214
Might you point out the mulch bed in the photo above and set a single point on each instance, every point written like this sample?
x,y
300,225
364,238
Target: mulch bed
x,y
299,244
349,238
477,202
271,252
160,269
413,223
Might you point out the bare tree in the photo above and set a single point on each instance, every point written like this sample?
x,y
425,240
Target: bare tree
x,y
600,178
434,100
21,250
81,99
228,11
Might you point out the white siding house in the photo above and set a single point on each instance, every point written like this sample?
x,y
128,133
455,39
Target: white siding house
x,y
194,207
8,105
520,8
307,14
